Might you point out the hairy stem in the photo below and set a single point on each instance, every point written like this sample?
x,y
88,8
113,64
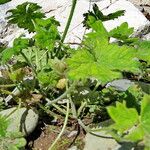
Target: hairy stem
x,y
64,126
74,2
7,85
73,108
49,112
62,96
59,109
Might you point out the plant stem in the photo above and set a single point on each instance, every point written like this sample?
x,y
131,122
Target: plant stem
x,y
7,85
65,123
90,131
74,2
83,104
62,96
49,112
73,108
59,109
37,62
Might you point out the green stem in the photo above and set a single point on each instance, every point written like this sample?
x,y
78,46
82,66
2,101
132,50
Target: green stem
x,y
60,97
73,108
7,85
37,62
6,92
47,110
90,131
59,109
74,2
83,104
64,126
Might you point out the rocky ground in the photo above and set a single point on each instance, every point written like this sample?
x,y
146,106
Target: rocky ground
x,y
137,15
60,8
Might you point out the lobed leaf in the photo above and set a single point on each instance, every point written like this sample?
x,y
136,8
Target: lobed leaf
x,y
3,126
124,118
4,1
143,52
25,14
18,45
96,14
145,113
99,59
122,32
46,33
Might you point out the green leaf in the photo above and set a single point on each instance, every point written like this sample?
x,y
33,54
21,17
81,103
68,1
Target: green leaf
x,y
4,1
25,14
143,50
116,14
96,14
46,33
58,66
3,126
122,32
17,75
82,65
99,32
7,54
124,118
20,142
136,134
12,147
101,60
47,78
145,113
10,140
18,45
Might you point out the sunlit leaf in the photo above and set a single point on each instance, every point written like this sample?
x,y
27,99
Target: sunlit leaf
x,y
100,59
25,14
124,118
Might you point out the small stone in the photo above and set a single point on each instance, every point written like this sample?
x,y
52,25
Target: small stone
x,y
21,120
121,85
73,148
143,32
100,143
72,133
97,143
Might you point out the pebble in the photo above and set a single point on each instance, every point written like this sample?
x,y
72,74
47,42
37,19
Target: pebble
x,y
21,119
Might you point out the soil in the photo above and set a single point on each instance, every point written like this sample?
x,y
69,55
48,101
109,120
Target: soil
x,y
45,134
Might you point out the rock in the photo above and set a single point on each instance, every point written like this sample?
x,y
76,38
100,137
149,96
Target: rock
x,y
60,9
72,134
100,143
96,143
21,119
121,85
73,148
147,36
140,2
143,32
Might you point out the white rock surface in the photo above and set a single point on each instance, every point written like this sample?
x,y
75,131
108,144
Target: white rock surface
x,y
100,143
96,143
140,2
21,120
121,84
60,9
